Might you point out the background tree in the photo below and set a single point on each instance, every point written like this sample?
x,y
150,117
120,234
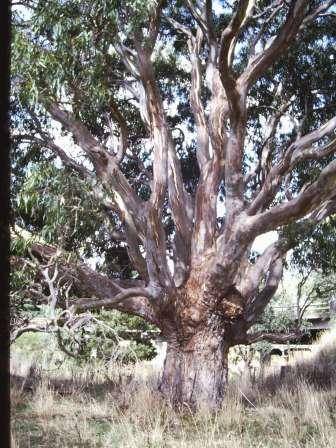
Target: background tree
x,y
194,127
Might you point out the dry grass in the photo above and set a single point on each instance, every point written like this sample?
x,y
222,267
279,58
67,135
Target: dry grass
x,y
116,407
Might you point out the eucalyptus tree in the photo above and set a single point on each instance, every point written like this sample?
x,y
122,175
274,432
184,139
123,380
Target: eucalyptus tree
x,y
196,126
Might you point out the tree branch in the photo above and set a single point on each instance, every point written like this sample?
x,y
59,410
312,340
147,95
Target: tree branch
x,y
317,11
106,167
271,127
198,16
89,283
226,50
206,196
275,7
259,63
83,304
34,326
118,117
276,338
167,177
258,270
259,302
297,151
322,190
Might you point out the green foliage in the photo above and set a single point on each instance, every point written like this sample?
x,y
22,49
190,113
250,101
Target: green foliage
x,y
316,249
110,336
58,209
278,317
124,322
23,307
298,300
58,206
32,343
68,50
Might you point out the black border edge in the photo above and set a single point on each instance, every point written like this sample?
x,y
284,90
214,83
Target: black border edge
x,y
5,33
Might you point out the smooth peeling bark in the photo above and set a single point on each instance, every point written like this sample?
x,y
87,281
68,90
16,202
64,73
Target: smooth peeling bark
x,y
195,373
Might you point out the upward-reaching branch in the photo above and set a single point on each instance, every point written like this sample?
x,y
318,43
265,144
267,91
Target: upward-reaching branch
x,y
301,149
262,298
106,168
308,200
167,178
227,45
208,160
236,97
259,63
259,269
118,117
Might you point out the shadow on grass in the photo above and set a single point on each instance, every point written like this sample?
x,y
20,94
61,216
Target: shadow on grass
x,y
64,386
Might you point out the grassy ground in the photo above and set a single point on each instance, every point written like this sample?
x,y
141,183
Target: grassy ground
x,y
95,406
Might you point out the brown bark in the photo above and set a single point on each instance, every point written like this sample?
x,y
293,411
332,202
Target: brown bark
x,y
199,324
195,374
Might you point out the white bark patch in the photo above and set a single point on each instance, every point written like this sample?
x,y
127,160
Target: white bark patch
x,y
201,236
121,204
261,242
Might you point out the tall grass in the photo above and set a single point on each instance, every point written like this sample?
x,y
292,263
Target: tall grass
x,y
115,406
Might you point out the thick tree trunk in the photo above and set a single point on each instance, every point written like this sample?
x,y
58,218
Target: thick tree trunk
x,y
195,374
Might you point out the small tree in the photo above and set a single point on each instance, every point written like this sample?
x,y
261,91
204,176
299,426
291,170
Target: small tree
x,y
198,127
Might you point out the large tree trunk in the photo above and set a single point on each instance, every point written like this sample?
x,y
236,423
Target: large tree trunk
x,y
198,324
195,373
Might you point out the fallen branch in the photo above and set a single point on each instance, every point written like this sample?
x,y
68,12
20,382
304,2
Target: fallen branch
x,y
278,338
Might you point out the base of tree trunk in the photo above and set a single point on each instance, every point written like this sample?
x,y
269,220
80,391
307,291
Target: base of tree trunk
x,y
196,374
